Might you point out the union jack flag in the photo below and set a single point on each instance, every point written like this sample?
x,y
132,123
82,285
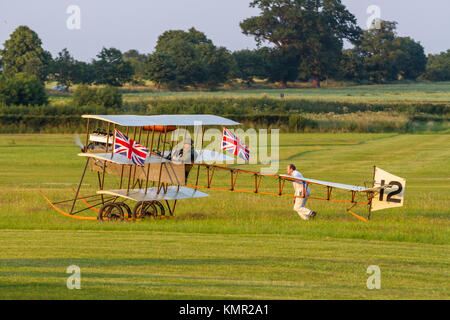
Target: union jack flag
x,y
233,145
129,148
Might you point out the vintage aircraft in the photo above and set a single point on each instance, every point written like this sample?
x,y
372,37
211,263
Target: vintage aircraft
x,y
154,178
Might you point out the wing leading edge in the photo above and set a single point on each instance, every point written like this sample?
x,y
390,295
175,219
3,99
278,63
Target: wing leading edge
x,y
330,184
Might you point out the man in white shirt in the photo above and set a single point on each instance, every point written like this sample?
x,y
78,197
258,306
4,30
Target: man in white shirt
x,y
300,189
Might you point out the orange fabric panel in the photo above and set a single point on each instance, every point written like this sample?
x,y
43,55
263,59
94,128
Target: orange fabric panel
x,y
160,128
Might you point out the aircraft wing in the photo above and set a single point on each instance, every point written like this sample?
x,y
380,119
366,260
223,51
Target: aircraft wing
x,y
173,193
211,156
330,184
208,156
164,120
120,159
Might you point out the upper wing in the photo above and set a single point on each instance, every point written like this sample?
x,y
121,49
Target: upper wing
x,y
164,120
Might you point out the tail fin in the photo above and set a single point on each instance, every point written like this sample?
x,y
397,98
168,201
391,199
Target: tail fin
x,y
390,197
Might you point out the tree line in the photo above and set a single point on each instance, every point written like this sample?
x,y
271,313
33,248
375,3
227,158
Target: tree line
x,y
298,40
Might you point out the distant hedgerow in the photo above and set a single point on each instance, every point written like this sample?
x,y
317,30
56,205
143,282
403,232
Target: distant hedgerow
x,y
107,96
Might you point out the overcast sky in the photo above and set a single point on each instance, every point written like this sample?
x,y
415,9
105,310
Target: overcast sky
x,y
136,24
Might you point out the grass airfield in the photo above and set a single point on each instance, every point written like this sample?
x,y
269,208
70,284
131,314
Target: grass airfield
x,y
231,245
382,93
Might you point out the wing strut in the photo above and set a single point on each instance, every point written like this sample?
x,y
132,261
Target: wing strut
x,y
79,186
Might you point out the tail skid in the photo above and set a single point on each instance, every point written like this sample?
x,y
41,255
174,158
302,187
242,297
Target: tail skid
x,y
65,213
89,206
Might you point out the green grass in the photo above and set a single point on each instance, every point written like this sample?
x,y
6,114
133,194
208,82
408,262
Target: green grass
x,y
398,93
139,265
418,92
231,245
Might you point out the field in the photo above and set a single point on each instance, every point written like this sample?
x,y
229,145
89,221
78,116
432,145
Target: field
x,y
230,245
385,93
419,92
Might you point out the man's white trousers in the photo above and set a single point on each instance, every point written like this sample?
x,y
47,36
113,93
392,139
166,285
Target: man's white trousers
x,y
300,204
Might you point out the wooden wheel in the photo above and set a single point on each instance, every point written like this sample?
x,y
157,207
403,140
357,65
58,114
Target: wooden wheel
x,y
111,211
159,205
144,209
126,208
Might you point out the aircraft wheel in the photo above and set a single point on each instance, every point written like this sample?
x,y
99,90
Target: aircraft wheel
x,y
127,209
111,211
144,209
159,205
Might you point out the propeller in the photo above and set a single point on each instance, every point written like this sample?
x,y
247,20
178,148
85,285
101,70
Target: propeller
x,y
78,143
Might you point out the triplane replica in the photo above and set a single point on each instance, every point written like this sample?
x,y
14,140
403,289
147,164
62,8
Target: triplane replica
x,y
153,175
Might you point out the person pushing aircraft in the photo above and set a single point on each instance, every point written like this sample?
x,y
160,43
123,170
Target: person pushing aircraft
x,y
300,189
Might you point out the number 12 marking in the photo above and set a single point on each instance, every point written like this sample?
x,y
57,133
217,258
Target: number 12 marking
x,y
393,193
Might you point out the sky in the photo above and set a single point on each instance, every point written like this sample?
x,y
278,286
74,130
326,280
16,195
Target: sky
x,y
136,24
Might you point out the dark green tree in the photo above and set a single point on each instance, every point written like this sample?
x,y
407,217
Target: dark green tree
x,y
188,59
250,65
218,62
322,58
138,63
411,59
438,67
109,96
161,70
84,73
183,48
388,57
281,64
379,53
111,68
167,40
84,95
23,52
64,69
22,89
351,67
315,28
